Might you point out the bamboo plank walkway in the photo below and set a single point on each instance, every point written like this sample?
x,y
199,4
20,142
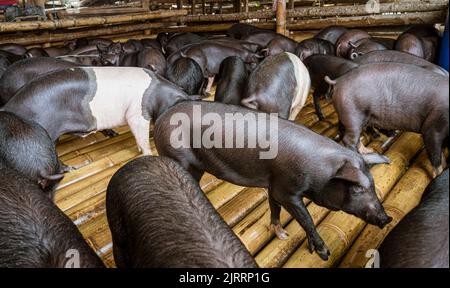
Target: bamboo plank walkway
x,y
81,195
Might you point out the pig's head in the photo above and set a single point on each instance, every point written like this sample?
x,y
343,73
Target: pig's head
x,y
363,47
252,60
110,55
169,95
352,190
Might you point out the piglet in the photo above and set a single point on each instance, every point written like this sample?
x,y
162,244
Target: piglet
x,y
394,96
320,66
280,84
187,74
233,76
88,99
343,44
420,240
148,232
26,147
289,159
34,233
314,46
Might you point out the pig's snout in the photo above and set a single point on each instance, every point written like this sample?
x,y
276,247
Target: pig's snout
x,y
378,217
384,221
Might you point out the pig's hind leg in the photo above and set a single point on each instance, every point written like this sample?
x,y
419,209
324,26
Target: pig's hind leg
x,y
275,225
316,98
434,135
353,126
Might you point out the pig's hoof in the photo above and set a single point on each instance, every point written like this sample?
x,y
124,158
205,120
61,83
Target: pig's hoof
x,y
323,253
279,231
320,248
110,133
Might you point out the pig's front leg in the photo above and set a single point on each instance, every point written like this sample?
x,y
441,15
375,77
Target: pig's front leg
x,y
140,128
275,225
294,205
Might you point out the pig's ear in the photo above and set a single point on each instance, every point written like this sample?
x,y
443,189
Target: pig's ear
x,y
350,173
351,44
375,158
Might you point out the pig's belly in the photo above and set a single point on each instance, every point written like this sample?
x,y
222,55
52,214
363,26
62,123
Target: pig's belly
x,y
397,119
235,168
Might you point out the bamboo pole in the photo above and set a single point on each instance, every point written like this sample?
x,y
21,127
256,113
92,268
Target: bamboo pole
x,y
241,205
224,193
431,17
281,17
95,146
404,197
324,11
339,229
61,37
87,22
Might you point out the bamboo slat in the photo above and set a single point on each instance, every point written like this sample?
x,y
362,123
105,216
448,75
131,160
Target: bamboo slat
x,y
95,146
98,166
404,197
339,229
233,211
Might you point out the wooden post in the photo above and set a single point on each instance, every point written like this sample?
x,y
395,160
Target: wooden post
x,y
203,7
179,4
193,7
291,4
245,6
281,17
220,6
146,4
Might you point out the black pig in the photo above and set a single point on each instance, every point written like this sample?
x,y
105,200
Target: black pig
x,y
392,98
34,233
147,233
187,74
320,66
233,76
26,147
420,240
339,179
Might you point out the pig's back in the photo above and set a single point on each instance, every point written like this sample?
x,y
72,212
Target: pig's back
x,y
34,232
24,71
118,91
421,239
295,144
156,201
